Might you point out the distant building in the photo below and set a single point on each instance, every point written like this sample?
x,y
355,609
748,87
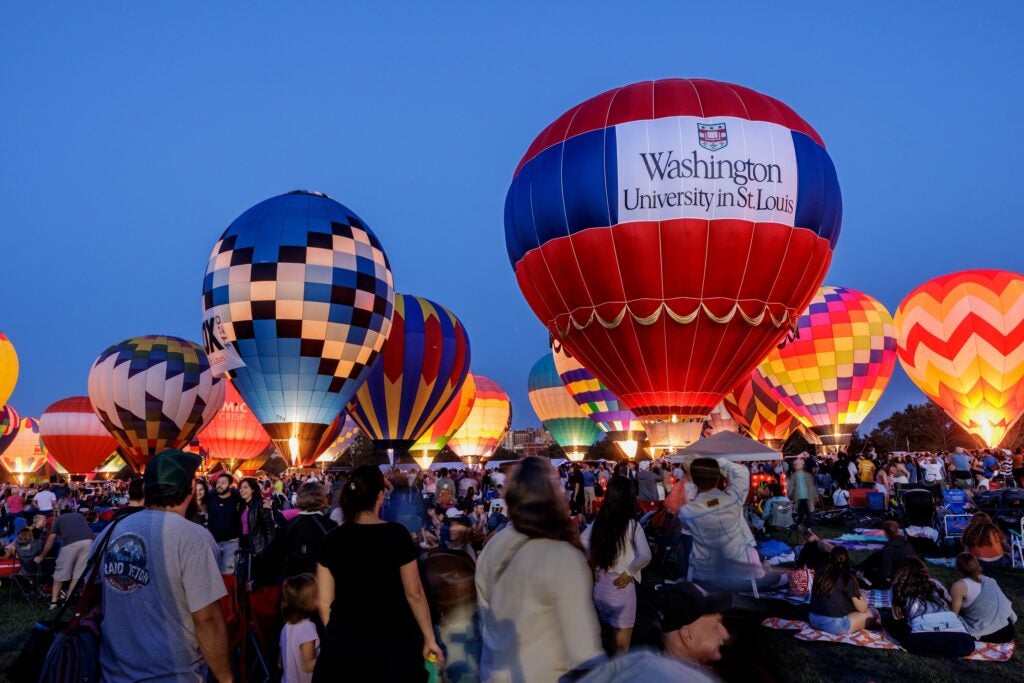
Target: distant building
x,y
528,441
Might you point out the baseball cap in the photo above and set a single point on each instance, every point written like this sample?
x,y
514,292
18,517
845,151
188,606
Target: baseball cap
x,y
453,513
684,603
171,469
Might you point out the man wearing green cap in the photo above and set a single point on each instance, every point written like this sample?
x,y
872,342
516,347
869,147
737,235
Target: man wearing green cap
x,y
161,585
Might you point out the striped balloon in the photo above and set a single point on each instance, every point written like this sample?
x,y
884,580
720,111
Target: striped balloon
x,y
755,406
10,422
558,411
422,366
8,368
831,374
961,340
447,423
26,453
344,439
74,436
487,423
721,420
598,402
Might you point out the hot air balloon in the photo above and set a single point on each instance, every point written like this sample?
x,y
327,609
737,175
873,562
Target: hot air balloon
x,y
25,453
421,367
668,233
754,405
558,411
961,340
74,436
831,374
10,422
234,434
721,420
301,291
330,436
336,449
486,425
447,423
153,393
8,368
598,403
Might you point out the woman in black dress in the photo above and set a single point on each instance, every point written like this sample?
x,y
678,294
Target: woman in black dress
x,y
377,620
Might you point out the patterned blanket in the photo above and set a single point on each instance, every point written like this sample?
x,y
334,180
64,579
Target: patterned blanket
x,y
878,599
880,640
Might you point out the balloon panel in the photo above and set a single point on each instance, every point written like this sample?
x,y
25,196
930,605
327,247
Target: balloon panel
x,y
488,421
597,401
961,340
303,290
8,368
26,453
834,371
422,365
234,433
754,405
10,422
153,393
557,409
451,418
669,232
74,436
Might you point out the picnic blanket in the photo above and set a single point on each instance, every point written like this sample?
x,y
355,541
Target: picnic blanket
x,y
879,599
942,561
880,640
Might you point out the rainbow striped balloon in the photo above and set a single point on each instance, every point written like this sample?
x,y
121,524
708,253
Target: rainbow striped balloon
x,y
447,423
831,374
961,340
558,410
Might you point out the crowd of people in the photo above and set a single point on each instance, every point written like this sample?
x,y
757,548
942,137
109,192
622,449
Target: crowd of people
x,y
521,572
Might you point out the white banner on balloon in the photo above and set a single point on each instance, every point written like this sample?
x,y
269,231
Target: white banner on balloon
x,y
721,167
221,353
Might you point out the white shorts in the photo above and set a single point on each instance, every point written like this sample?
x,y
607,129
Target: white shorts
x,y
72,560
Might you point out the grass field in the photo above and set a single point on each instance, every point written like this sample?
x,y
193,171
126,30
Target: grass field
x,y
755,654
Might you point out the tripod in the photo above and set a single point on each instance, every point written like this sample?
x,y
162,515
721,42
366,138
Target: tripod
x,y
252,664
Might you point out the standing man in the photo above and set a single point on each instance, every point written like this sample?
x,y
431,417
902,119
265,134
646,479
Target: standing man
x,y
866,471
161,586
45,500
224,521
75,541
647,481
136,498
589,492
801,490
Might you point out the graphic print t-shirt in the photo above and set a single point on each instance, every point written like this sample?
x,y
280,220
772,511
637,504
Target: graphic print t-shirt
x,y
156,571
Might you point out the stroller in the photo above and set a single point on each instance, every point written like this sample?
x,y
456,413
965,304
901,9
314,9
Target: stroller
x,y
920,520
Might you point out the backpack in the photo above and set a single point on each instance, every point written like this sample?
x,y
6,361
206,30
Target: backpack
x,y
299,555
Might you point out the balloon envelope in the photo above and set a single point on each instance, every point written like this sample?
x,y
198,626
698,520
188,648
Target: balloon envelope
x,y
74,436
10,423
961,340
8,368
448,422
422,366
234,433
755,406
301,289
153,393
669,233
834,371
557,409
486,425
25,453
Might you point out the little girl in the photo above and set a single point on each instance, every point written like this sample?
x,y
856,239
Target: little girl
x,y
300,644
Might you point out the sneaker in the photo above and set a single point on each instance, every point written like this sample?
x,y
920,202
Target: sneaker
x,y
53,605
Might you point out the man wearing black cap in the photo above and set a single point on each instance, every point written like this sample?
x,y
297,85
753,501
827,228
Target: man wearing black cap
x,y
161,586
692,636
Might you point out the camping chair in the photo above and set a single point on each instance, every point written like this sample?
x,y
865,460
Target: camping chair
x,y
781,519
1017,546
953,526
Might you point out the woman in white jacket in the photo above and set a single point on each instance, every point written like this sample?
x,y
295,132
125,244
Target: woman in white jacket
x,y
618,551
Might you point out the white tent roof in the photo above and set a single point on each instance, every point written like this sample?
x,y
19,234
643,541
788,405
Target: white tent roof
x,y
727,445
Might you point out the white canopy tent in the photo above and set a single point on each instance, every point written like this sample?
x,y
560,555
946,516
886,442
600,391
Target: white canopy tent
x,y
726,445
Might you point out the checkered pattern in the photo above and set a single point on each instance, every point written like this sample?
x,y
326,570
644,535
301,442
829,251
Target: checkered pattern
x,y
305,292
153,393
836,368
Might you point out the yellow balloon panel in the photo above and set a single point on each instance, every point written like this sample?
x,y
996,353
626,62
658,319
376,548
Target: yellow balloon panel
x,y
485,427
8,368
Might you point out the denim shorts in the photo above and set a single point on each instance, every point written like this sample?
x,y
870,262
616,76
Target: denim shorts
x,y
837,626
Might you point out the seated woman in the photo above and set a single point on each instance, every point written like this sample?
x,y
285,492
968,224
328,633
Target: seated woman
x,y
981,604
923,619
837,605
986,541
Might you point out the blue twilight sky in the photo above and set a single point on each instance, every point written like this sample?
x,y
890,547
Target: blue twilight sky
x,y
132,134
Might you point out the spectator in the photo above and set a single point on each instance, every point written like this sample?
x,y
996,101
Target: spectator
x,y
984,608
136,498
260,524
75,540
534,587
963,464
985,540
879,568
445,488
304,535
866,472
589,490
299,643
576,496
45,500
224,520
837,605
161,586
404,504
923,621
802,491
618,550
201,496
647,481
372,604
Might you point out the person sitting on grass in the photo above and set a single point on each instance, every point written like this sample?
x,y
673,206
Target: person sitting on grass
x,y
776,499
922,617
981,604
878,570
983,539
837,604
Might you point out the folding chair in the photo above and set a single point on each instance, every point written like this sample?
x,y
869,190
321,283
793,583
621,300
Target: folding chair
x,y
782,518
1017,546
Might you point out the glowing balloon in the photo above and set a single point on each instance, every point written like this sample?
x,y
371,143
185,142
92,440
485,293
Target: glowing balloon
x,y
834,371
153,393
669,233
961,340
598,402
720,420
447,423
558,411
758,410
234,434
74,436
421,367
334,431
25,453
10,422
345,439
8,368
301,290
486,425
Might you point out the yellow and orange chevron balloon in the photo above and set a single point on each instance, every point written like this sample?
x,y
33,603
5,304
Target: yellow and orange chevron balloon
x,y
756,407
834,371
961,339
486,425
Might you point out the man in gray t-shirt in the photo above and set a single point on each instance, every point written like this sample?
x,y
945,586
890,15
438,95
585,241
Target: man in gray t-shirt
x,y
161,586
75,540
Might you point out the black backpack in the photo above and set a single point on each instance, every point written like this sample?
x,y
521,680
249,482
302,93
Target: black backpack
x,y
301,555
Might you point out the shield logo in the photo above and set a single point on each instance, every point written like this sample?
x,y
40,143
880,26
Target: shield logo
x,y
712,136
